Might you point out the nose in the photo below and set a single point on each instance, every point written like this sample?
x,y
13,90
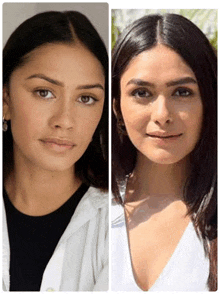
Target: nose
x,y
161,111
62,116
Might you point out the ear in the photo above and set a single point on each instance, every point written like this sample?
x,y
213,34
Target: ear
x,y
6,103
114,107
120,122
116,110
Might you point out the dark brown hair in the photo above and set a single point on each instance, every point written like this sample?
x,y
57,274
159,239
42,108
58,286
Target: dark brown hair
x,y
200,195
61,27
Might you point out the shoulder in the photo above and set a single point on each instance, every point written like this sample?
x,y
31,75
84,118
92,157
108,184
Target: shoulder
x,y
97,197
94,204
90,215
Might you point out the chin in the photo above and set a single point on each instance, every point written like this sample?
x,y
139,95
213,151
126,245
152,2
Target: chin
x,y
165,160
55,165
164,157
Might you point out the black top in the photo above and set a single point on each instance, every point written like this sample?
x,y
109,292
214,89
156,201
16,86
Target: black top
x,y
33,240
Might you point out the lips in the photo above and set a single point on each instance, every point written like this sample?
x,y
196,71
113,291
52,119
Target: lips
x,y
164,135
57,145
58,141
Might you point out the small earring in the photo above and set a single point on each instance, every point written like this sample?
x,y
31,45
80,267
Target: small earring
x,y
4,125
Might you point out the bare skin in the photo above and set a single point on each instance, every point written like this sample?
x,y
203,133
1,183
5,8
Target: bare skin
x,y
156,220
163,112
54,108
36,192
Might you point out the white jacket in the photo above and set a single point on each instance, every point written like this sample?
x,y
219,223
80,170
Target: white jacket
x,y
80,260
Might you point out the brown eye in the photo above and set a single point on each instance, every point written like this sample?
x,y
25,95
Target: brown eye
x,y
44,93
141,93
87,100
183,92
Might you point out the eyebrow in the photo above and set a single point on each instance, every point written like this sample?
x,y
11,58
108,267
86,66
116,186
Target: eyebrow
x,y
58,83
99,86
43,77
186,80
140,82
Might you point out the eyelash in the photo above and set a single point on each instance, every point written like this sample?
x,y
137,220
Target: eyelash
x,y
137,93
37,91
90,100
184,91
145,93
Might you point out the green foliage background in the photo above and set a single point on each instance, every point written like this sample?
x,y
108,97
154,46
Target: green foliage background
x,y
205,19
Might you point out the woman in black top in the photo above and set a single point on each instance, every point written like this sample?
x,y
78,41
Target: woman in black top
x,y
55,84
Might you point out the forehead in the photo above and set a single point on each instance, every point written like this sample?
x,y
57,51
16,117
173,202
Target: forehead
x,y
159,64
63,61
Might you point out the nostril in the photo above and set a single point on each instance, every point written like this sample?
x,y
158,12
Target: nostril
x,y
57,126
160,122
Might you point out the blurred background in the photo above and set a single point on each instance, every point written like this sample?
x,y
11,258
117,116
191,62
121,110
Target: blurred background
x,y
205,19
14,14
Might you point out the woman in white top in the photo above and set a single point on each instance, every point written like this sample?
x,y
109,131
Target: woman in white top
x,y
164,233
55,122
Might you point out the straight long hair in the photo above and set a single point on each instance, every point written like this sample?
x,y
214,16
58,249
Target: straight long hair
x,y
61,27
186,39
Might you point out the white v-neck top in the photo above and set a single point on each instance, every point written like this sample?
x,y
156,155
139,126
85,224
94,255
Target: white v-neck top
x,y
187,269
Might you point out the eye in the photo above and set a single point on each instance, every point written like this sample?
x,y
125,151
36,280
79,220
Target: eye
x,y
183,92
43,93
86,99
141,93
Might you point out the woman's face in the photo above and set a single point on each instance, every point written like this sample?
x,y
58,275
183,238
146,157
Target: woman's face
x,y
161,105
55,102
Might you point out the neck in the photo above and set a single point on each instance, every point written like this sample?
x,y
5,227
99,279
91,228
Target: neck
x,y
153,179
36,192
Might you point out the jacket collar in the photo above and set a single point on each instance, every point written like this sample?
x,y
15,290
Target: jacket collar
x,y
88,207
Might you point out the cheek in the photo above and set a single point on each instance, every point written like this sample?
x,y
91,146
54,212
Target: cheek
x,y
193,121
27,122
88,122
24,108
26,116
135,118
29,117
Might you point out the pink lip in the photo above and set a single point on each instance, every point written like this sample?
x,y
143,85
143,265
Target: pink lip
x,y
57,145
163,135
58,141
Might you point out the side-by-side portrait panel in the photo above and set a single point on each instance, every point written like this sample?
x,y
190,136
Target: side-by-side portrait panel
x,y
58,164
55,147
164,150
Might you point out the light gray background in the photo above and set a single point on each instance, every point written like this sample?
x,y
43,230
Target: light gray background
x,y
15,13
